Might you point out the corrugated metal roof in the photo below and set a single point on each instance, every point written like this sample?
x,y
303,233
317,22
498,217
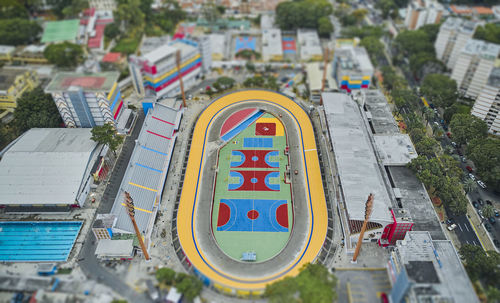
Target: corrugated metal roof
x,y
46,166
147,170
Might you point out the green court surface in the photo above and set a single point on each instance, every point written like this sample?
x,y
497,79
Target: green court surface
x,y
266,244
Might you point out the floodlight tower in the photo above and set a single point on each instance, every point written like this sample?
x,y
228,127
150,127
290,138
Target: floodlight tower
x,y
368,212
178,61
129,203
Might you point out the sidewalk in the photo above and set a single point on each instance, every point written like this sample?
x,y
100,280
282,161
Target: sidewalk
x,y
481,233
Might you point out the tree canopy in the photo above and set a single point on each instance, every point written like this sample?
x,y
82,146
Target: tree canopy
x,y
467,127
481,265
486,156
36,109
18,31
64,54
439,89
489,32
313,284
325,27
106,134
188,285
292,15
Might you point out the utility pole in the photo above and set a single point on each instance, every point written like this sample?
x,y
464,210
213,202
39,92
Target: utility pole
x,y
131,212
178,61
368,212
325,68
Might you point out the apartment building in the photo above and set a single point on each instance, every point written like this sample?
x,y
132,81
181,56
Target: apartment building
x,y
487,104
13,83
474,65
452,37
422,12
155,73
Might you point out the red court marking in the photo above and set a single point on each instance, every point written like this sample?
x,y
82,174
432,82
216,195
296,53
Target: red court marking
x,y
153,133
253,214
259,163
235,119
282,215
85,82
224,214
260,185
265,129
162,120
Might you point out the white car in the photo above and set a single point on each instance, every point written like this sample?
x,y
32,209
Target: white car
x,y
481,183
472,177
452,227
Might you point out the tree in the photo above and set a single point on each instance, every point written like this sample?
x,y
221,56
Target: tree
x,y
374,47
481,264
486,156
488,211
325,27
412,42
424,63
165,275
431,30
388,7
64,54
223,83
119,301
292,15
36,109
427,146
405,98
470,185
129,14
364,31
313,284
10,9
18,31
112,31
455,108
489,32
189,286
439,89
359,14
466,127
106,134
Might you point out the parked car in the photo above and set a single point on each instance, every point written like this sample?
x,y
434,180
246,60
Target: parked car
x,y
481,183
449,221
480,212
480,201
489,202
488,227
492,220
454,144
452,227
472,177
469,169
496,242
448,134
474,203
497,214
464,159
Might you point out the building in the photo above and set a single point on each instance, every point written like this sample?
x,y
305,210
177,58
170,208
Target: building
x,y
422,12
361,172
108,249
48,170
60,31
314,71
452,37
6,52
87,100
487,103
219,46
271,45
93,23
474,65
103,5
309,45
267,21
425,270
155,73
13,83
205,47
352,68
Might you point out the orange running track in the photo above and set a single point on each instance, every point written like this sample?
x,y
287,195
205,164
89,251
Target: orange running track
x,y
315,196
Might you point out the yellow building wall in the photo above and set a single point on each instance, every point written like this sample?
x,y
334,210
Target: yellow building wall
x,y
23,82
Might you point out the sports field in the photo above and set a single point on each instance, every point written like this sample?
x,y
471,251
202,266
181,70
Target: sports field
x,y
252,210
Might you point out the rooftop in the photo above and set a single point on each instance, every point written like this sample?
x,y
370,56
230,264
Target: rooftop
x,y
166,50
358,168
6,49
449,278
267,21
112,57
395,149
147,169
452,23
381,116
353,59
8,76
58,31
97,82
46,166
108,247
271,42
218,42
314,72
309,44
484,49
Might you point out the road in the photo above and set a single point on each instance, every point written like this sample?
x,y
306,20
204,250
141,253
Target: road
x,y
88,262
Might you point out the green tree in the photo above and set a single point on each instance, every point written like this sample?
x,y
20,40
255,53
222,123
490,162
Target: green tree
x,y
36,109
374,47
112,31
388,8
362,32
426,146
325,27
489,32
439,89
455,108
359,14
119,301
486,156
493,294
466,127
283,291
129,15
106,134
424,63
412,42
431,30
165,275
481,264
470,185
405,98
75,8
451,167
190,287
11,9
18,31
64,54
488,211
292,15
391,79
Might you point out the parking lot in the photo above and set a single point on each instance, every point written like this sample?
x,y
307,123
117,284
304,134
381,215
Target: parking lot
x,y
362,285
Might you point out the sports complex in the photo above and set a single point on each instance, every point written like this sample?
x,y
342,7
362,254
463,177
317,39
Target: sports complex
x,y
252,208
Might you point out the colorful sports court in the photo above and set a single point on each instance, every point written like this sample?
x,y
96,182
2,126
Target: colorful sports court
x,y
252,207
289,46
245,43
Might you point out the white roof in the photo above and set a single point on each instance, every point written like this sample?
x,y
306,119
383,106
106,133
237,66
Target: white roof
x,y
5,49
159,53
46,166
173,295
218,43
271,42
108,247
315,76
357,164
395,149
309,44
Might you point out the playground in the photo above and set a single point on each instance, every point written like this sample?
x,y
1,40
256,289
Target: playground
x,y
252,210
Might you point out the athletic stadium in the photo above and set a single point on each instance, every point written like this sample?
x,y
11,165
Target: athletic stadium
x,y
252,208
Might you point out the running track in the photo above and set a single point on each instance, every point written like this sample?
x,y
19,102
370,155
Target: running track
x,y
314,192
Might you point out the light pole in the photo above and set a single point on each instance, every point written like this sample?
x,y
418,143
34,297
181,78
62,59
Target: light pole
x,y
129,203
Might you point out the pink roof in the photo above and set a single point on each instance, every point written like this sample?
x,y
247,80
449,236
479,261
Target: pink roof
x,y
111,57
89,12
95,42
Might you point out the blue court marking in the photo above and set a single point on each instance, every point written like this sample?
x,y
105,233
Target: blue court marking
x,y
234,174
198,184
254,180
258,142
154,150
150,168
274,174
273,153
236,153
238,129
265,222
255,158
